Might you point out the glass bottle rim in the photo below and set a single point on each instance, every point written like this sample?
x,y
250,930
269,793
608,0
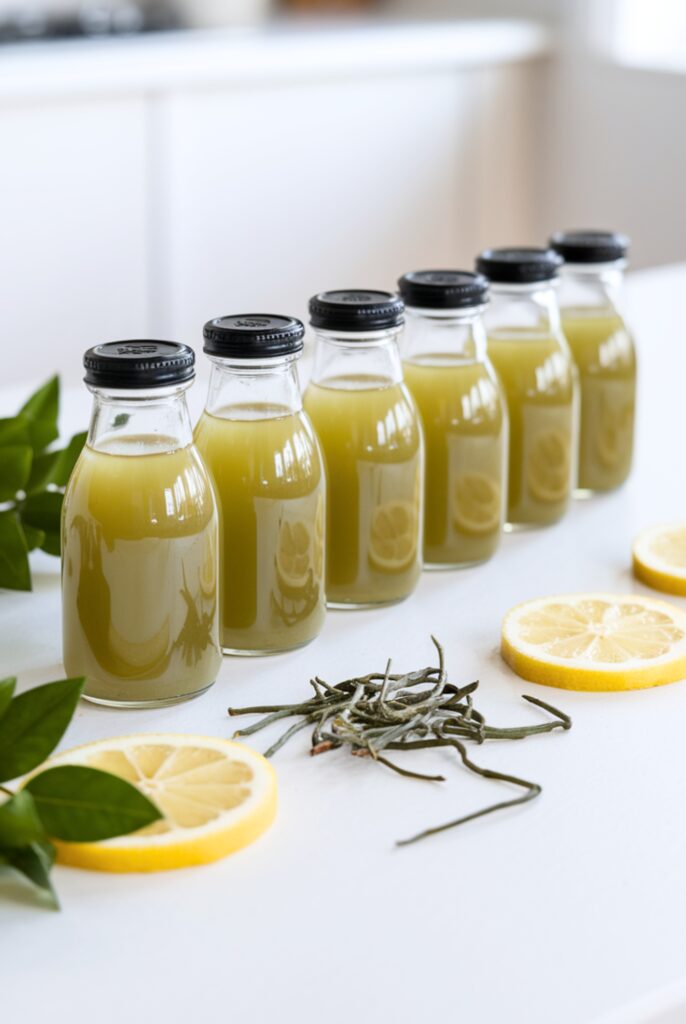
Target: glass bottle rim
x,y
460,314
524,288
362,339
254,364
587,269
151,393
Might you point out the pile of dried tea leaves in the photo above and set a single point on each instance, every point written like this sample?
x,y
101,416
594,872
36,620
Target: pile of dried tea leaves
x,y
382,712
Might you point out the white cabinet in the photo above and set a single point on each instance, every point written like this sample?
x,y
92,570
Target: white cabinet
x,y
512,171
148,186
73,231
273,194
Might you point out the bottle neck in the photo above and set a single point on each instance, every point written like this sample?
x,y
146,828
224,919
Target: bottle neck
x,y
594,286
247,389
436,335
357,360
141,421
522,307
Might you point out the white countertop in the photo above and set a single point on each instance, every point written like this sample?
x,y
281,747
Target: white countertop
x,y
201,59
559,912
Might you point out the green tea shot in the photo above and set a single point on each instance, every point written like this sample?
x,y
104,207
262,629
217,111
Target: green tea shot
x,y
371,438
604,353
140,536
463,412
266,464
534,365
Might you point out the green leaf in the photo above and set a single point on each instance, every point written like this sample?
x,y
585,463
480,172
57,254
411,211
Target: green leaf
x,y
41,471
14,430
81,805
33,725
6,692
15,466
20,823
44,512
34,538
14,553
34,863
40,412
55,467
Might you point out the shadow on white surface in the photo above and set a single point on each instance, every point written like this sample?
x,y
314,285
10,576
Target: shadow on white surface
x,y
665,1006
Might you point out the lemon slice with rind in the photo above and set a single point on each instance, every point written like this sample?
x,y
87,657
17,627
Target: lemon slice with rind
x,y
659,558
216,797
393,539
596,642
476,508
615,431
294,555
548,472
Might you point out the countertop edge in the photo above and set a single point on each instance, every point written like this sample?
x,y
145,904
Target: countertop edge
x,y
261,55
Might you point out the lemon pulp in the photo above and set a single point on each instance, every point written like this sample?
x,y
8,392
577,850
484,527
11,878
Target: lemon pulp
x,y
596,642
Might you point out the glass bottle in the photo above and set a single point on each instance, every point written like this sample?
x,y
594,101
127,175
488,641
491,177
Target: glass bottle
x,y
266,463
604,353
370,433
535,367
140,536
463,413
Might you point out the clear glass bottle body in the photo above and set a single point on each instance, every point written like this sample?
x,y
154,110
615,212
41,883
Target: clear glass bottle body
x,y
539,379
140,554
267,467
370,433
604,353
464,417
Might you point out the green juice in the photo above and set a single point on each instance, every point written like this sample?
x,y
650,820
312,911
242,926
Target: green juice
x,y
604,354
140,573
371,438
538,379
266,466
465,435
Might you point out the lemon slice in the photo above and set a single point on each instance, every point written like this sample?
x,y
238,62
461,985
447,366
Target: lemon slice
x,y
393,540
319,539
614,434
596,642
216,797
548,472
476,509
659,557
294,554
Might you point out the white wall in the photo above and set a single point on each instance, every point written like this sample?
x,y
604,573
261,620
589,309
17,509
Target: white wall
x,y
146,212
617,155
73,239
610,142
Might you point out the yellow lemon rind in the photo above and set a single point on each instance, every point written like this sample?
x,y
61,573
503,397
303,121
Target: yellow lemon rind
x,y
656,572
665,582
562,677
